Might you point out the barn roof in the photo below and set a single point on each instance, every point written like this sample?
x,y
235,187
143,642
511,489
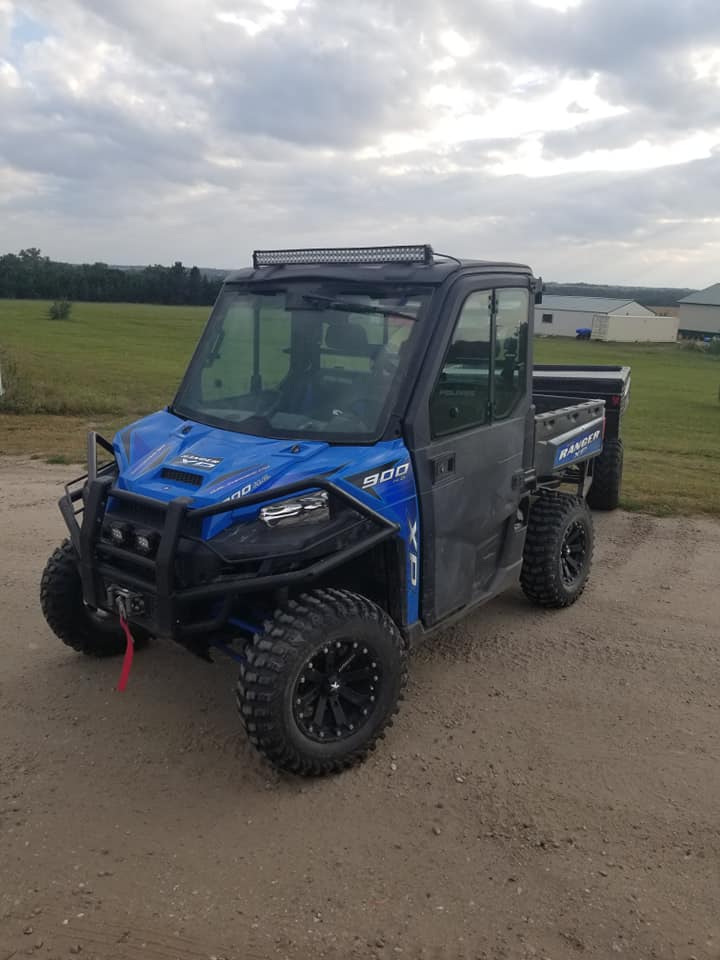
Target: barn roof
x,y
584,304
709,297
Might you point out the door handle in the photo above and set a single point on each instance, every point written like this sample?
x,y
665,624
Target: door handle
x,y
442,467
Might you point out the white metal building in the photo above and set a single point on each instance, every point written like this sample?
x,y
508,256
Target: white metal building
x,y
700,313
608,318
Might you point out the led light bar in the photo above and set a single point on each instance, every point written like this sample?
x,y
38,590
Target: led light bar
x,y
402,253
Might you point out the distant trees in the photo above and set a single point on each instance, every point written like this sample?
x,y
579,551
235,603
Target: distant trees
x,y
648,296
30,276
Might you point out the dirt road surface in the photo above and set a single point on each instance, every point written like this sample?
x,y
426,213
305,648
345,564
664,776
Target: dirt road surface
x,y
551,788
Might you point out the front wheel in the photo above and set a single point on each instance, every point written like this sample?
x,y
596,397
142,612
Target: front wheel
x,y
88,631
558,550
322,682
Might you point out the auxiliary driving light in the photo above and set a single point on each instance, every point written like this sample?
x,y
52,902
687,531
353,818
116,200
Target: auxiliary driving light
x,y
311,508
118,533
145,542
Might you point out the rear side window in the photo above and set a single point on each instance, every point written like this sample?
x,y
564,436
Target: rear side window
x,y
510,360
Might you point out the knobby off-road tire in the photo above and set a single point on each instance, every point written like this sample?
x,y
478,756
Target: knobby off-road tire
x,y
604,493
85,630
329,644
558,550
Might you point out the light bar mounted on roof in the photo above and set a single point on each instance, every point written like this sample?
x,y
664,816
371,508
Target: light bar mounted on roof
x,y
402,253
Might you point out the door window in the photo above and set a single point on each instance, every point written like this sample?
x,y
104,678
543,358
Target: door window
x,y
461,397
485,370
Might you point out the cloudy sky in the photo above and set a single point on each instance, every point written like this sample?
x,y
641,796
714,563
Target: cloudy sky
x,y
582,136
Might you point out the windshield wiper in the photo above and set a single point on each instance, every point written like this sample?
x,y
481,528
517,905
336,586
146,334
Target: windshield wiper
x,y
330,303
256,421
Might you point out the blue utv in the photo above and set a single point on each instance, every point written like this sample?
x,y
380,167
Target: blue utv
x,y
357,455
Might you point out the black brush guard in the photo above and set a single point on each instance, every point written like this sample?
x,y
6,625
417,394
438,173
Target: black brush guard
x,y
158,582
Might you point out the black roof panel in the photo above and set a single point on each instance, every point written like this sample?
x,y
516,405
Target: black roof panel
x,y
433,273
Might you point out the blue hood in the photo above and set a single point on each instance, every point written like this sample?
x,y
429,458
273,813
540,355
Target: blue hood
x,y
165,457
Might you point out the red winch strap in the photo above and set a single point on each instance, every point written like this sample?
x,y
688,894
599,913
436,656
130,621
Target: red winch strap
x,y
128,658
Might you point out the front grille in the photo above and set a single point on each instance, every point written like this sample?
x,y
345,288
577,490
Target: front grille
x,y
138,514
146,517
181,476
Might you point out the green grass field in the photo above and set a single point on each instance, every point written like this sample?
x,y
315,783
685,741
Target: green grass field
x,y
113,362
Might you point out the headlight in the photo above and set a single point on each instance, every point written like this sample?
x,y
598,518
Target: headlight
x,y
310,508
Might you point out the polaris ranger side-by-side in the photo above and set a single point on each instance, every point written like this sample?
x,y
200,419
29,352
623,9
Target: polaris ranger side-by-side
x,y
355,457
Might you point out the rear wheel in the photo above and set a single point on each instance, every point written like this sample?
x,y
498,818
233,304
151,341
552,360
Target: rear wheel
x,y
322,682
604,493
558,550
89,631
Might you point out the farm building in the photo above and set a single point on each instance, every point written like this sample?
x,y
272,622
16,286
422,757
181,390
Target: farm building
x,y
608,318
700,313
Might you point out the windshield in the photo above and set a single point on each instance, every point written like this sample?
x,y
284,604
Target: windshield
x,y
321,361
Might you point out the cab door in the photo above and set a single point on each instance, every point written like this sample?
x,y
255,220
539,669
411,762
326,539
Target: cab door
x,y
470,436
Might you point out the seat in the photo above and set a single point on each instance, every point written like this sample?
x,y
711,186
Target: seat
x,y
347,338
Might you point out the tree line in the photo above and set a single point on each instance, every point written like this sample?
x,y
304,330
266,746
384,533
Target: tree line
x,y
30,276
647,296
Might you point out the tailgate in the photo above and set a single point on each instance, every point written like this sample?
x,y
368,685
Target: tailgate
x,y
568,436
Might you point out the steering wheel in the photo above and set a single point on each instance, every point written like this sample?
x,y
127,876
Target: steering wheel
x,y
350,417
386,363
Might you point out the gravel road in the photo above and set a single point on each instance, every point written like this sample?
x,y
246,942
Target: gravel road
x,y
551,788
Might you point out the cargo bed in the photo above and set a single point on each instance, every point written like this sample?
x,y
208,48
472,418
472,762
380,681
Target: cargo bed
x,y
556,385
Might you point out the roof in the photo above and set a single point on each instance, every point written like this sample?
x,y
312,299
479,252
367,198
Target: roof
x,y
432,273
584,304
709,297
394,263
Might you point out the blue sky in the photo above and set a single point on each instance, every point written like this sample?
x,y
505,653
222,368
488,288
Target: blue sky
x,y
24,30
582,136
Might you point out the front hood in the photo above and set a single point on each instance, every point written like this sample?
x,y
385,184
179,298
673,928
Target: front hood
x,y
165,457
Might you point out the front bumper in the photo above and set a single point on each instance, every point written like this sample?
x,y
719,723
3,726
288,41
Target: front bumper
x,y
168,597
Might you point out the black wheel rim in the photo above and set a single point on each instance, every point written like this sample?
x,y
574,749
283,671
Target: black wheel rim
x,y
572,554
336,693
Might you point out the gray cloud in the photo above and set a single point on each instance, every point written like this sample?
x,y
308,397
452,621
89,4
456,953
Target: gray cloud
x,y
157,131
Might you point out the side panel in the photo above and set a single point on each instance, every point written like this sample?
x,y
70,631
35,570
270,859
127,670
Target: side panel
x,y
386,481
